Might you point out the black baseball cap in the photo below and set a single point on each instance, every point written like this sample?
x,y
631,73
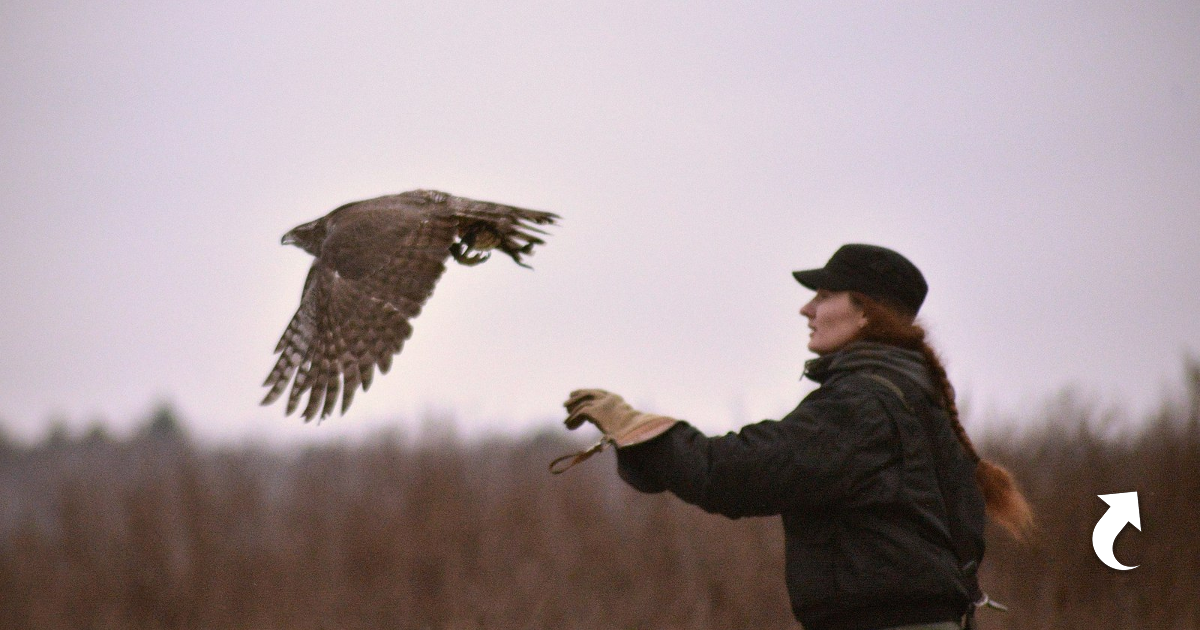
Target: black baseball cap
x,y
874,271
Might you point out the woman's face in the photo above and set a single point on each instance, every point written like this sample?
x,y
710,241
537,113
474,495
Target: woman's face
x,y
833,319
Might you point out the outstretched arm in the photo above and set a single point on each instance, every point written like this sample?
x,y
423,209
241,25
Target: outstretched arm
x,y
813,457
764,469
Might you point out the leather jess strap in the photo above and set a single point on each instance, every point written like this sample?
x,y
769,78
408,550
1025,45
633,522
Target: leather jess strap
x,y
575,458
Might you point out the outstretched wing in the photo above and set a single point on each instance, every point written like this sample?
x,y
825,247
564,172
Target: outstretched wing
x,y
377,268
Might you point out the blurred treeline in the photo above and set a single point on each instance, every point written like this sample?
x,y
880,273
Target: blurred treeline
x,y
154,531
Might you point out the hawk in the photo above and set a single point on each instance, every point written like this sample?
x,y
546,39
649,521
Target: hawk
x,y
376,262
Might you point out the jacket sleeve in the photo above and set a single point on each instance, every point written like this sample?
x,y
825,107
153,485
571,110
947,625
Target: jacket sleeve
x,y
814,456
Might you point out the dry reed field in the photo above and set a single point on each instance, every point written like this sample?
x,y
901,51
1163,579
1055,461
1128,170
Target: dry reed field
x,y
155,532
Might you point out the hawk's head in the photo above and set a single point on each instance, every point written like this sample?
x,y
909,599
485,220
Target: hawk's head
x,y
307,236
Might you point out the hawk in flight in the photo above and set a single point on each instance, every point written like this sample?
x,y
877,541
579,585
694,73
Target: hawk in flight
x,y
376,264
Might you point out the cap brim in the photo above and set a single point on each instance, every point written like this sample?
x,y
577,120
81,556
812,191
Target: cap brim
x,y
818,279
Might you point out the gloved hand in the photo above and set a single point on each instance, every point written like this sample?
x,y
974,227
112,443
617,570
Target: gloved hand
x,y
621,424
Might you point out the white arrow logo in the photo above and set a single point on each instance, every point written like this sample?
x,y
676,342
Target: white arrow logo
x,y
1123,509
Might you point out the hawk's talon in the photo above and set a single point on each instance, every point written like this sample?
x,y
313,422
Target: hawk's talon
x,y
465,255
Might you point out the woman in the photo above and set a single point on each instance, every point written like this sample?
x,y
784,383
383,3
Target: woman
x,y
881,492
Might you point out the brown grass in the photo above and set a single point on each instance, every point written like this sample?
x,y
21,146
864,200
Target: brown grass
x,y
155,532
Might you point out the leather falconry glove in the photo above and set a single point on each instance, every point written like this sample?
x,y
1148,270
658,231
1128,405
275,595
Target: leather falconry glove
x,y
621,424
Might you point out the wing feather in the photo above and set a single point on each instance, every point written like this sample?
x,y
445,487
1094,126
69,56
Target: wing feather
x,y
293,346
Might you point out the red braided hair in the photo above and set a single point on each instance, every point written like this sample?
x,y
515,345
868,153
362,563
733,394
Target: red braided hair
x,y
1005,503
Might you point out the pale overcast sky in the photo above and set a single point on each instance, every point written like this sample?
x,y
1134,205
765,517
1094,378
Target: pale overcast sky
x,y
1040,164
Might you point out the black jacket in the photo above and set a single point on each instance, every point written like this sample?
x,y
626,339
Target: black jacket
x,y
870,486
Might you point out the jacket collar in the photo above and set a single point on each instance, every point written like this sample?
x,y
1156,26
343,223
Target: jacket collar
x,y
874,357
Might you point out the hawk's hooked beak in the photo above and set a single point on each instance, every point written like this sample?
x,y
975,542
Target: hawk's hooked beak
x,y
288,239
